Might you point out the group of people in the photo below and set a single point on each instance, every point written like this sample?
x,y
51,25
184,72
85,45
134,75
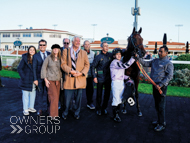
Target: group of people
x,y
66,71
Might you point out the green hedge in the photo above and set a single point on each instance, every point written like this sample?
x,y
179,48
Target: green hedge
x,y
181,78
185,57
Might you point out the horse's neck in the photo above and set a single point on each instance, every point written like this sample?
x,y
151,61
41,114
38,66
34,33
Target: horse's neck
x,y
127,56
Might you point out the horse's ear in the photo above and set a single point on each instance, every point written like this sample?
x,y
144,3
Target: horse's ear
x,y
140,30
133,30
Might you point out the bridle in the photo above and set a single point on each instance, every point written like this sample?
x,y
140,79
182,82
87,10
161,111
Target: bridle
x,y
133,41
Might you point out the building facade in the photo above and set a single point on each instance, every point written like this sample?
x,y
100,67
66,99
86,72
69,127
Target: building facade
x,y
31,36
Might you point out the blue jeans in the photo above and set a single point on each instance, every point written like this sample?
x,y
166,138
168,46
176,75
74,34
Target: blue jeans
x,y
68,95
28,99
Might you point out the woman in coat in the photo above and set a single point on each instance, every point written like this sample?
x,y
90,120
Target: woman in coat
x,y
51,73
27,81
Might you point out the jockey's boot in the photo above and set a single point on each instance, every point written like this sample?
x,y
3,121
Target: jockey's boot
x,y
124,111
116,117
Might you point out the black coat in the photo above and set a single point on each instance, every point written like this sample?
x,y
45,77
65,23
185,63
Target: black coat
x,y
37,66
25,71
102,65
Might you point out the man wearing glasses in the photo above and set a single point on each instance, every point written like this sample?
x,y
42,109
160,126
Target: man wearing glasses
x,y
66,43
38,60
102,65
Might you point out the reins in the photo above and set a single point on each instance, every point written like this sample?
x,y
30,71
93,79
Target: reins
x,y
147,76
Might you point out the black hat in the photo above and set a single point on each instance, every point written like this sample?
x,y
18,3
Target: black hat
x,y
116,50
55,46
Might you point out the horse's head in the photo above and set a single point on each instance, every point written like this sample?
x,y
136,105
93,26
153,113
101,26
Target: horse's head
x,y
135,43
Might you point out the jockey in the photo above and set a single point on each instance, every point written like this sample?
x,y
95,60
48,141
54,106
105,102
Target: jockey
x,y
117,69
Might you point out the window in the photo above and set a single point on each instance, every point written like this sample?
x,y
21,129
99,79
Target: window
x,y
6,47
6,35
37,34
71,38
55,36
16,34
26,34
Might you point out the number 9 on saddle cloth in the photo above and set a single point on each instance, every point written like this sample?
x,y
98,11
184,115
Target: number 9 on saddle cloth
x,y
129,93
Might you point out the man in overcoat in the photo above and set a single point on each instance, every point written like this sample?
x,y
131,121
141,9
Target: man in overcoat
x,y
75,64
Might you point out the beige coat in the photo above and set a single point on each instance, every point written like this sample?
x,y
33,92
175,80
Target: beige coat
x,y
82,65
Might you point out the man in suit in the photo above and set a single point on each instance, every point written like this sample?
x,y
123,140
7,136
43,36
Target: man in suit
x,y
38,60
75,64
1,85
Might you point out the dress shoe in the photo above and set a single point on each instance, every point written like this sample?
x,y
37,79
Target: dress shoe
x,y
39,113
98,113
64,116
91,106
117,118
124,111
2,85
76,117
139,113
159,128
155,123
105,112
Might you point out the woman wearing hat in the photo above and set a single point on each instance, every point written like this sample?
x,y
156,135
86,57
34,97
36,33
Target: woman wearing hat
x,y
25,70
117,69
51,73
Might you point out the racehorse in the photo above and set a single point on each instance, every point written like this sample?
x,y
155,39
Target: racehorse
x,y
135,45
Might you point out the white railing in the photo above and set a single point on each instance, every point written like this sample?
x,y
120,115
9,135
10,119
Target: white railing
x,y
180,62
8,59
6,52
177,62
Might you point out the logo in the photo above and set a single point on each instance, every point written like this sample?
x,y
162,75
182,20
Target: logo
x,y
38,125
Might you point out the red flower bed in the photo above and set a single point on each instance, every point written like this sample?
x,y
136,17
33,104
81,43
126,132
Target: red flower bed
x,y
6,67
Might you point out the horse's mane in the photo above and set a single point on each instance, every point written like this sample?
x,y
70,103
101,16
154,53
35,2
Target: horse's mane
x,y
128,51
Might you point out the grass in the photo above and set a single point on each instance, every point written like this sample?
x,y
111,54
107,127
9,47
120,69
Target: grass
x,y
171,91
10,74
143,87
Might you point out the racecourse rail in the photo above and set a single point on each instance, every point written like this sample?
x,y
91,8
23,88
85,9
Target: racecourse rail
x,y
173,61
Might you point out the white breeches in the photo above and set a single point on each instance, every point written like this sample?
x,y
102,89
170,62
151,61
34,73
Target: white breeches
x,y
117,91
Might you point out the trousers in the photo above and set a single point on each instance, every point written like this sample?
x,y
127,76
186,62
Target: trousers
x,y
68,96
89,90
107,88
160,104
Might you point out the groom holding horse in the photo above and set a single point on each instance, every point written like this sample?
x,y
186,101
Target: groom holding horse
x,y
161,74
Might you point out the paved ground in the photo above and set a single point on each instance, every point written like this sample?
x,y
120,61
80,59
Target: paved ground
x,y
91,128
